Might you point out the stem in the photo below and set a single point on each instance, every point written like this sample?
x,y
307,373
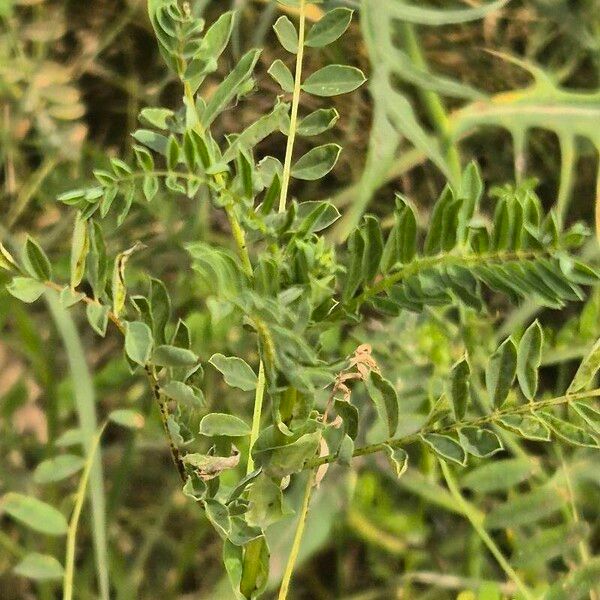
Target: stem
x,y
258,402
74,522
293,557
479,421
152,379
240,240
287,165
476,520
164,419
427,262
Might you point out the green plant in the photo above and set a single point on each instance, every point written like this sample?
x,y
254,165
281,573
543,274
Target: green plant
x,y
293,295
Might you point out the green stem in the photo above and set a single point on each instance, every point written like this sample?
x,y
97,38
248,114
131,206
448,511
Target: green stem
x,y
478,422
289,151
240,240
428,262
476,519
74,522
258,402
293,557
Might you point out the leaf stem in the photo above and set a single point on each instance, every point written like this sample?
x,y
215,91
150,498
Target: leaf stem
x,y
289,151
427,262
475,517
487,419
293,557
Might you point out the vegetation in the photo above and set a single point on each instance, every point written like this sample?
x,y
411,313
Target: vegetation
x,y
222,384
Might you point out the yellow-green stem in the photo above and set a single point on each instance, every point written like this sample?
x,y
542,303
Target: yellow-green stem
x,y
74,522
476,519
293,557
289,151
258,401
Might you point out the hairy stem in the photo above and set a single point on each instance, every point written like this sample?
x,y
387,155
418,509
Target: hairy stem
x,y
289,151
476,520
293,557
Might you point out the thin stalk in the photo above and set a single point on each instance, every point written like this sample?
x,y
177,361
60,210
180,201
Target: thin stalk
x,y
74,522
476,519
85,406
289,151
293,557
258,402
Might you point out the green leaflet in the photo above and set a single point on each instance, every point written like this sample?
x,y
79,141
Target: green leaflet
x,y
528,426
587,370
230,86
286,34
236,372
398,458
568,432
500,372
529,357
282,75
318,122
58,468
138,342
333,80
39,567
316,163
218,424
497,475
171,356
329,28
445,447
33,513
26,289
35,260
459,391
479,442
385,397
267,505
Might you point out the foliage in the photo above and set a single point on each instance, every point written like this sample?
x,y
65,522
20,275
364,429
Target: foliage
x,y
382,345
